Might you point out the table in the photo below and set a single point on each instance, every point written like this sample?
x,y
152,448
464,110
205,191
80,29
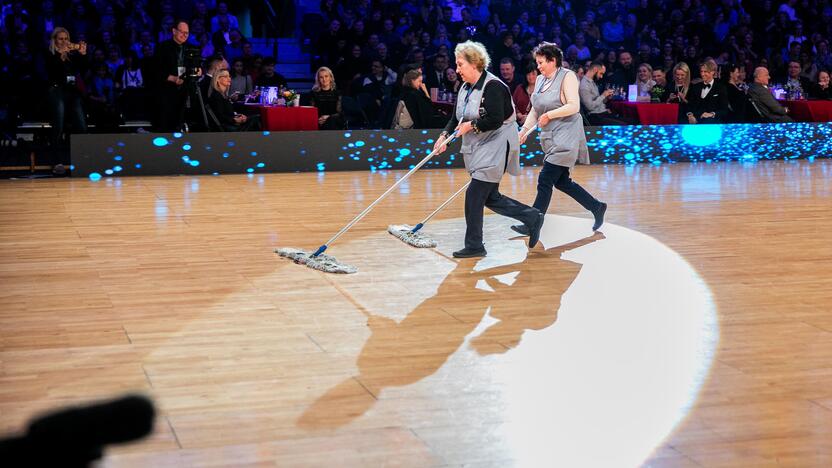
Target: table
x,y
647,113
809,111
281,118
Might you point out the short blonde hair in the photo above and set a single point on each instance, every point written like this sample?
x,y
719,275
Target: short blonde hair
x,y
709,65
215,78
473,53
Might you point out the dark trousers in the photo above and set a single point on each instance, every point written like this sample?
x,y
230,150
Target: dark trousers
x,y
481,194
558,177
66,102
171,108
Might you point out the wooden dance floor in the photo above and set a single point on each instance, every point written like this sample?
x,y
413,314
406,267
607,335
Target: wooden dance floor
x,y
695,330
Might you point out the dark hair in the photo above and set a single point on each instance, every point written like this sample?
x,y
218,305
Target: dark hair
x,y
269,61
506,60
550,52
177,22
531,67
595,64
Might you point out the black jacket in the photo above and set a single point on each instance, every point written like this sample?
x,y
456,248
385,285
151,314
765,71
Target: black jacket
x,y
421,109
716,101
222,108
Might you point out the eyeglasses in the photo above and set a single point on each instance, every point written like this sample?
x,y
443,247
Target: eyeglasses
x,y
182,32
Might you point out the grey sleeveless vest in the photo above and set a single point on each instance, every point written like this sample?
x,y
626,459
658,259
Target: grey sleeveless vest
x,y
563,139
485,153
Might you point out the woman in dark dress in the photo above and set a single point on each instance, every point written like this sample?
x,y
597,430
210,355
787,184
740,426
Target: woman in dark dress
x,y
822,89
326,98
737,99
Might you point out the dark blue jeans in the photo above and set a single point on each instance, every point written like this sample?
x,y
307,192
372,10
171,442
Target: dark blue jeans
x,y
65,103
481,194
558,177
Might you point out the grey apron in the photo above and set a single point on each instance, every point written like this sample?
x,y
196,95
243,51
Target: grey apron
x,y
563,139
485,153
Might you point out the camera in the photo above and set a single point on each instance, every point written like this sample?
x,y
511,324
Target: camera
x,y
193,60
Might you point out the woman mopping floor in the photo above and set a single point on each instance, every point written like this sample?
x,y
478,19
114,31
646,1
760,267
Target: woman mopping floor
x,y
485,118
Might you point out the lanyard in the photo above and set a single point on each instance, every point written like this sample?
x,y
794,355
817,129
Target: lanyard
x,y
467,97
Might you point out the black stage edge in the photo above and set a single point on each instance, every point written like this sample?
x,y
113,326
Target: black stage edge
x,y
103,155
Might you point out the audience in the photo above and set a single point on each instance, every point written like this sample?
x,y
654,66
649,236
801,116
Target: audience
x,y
222,108
708,99
593,102
142,48
523,93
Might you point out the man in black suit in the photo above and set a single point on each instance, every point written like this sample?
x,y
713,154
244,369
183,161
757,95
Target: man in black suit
x,y
170,56
435,75
708,100
768,107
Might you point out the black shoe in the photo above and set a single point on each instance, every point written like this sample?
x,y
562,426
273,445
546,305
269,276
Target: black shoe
x,y
534,231
521,229
599,216
470,253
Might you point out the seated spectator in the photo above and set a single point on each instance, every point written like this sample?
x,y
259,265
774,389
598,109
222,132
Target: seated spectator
x,y
593,102
821,89
579,49
452,80
523,92
326,98
417,102
737,99
241,82
435,75
625,74
644,81
770,110
223,110
508,73
269,77
681,86
795,82
708,99
223,14
660,77
376,89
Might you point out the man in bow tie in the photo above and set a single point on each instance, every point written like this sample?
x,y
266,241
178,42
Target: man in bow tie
x,y
708,100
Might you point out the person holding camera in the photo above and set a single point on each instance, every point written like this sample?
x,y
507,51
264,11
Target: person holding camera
x,y
173,60
63,63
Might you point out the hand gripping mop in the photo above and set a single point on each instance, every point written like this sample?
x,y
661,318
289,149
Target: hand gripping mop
x,y
320,261
410,235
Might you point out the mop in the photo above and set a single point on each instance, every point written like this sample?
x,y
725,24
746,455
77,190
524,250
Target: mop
x,y
410,235
320,261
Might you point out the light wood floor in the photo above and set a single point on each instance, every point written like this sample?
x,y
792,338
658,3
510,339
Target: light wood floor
x,y
169,286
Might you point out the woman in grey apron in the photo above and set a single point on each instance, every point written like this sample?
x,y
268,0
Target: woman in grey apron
x,y
556,110
486,121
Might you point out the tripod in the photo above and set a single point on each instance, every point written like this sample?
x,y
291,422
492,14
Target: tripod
x,y
193,91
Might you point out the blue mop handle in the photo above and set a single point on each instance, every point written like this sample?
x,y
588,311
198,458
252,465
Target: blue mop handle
x,y
390,190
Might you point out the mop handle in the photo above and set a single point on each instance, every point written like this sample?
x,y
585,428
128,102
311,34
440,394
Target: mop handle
x,y
443,205
421,163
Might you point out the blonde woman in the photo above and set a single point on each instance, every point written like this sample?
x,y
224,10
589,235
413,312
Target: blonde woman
x,y
63,63
223,109
681,85
486,120
644,81
326,98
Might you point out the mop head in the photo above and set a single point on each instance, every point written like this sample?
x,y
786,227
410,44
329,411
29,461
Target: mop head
x,y
322,262
416,239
